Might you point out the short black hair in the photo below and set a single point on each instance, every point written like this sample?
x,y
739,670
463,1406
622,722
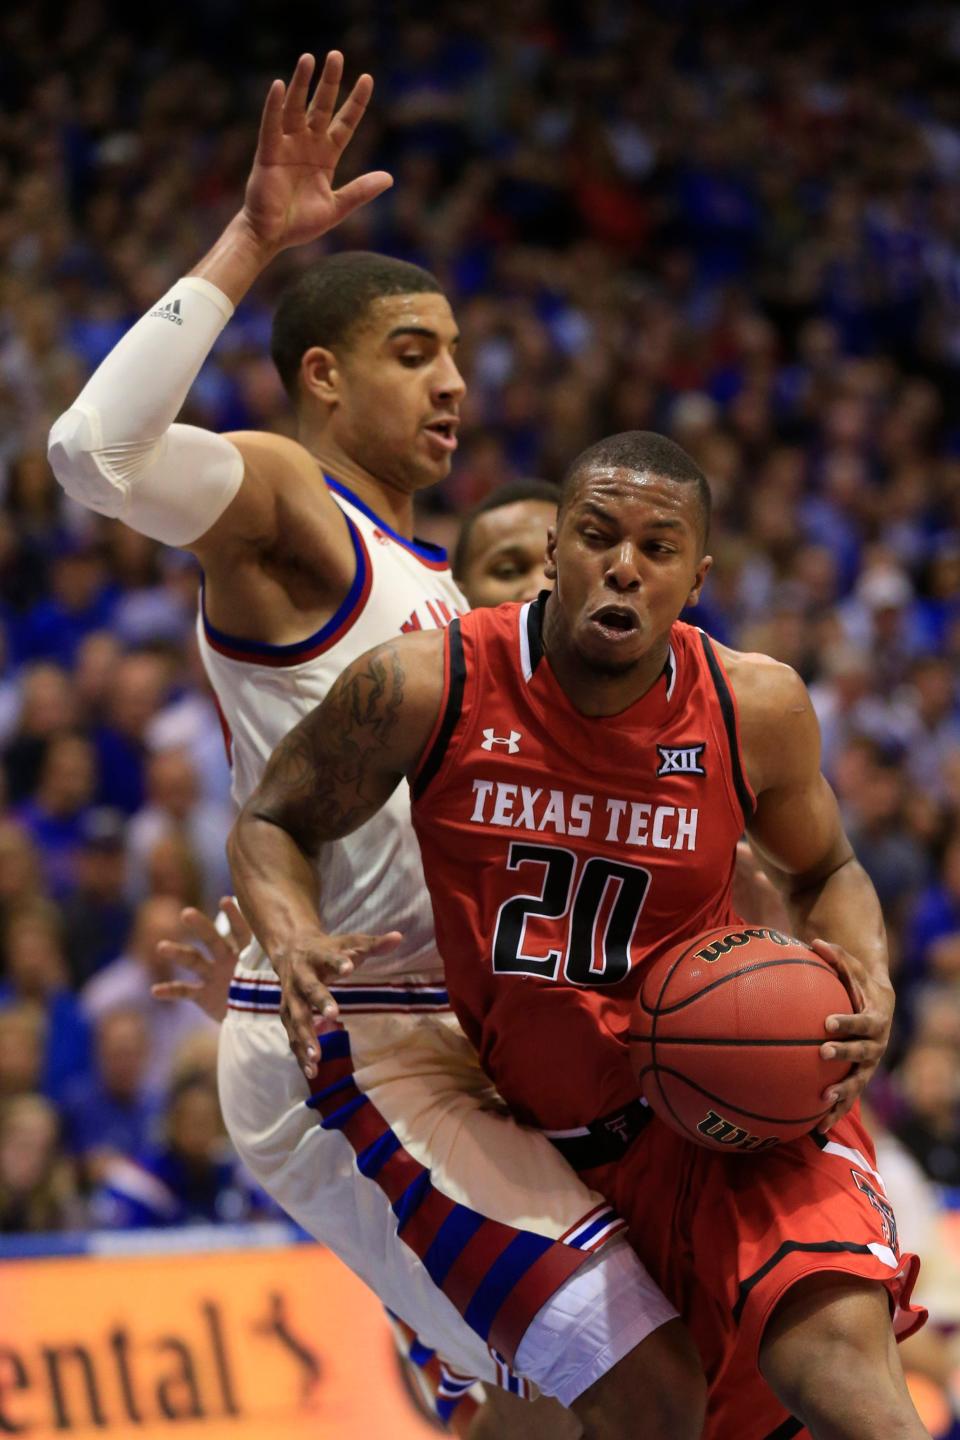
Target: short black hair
x,y
327,300
646,453
514,492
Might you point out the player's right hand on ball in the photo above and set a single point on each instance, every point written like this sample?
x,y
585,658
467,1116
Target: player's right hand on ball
x,y
303,967
290,198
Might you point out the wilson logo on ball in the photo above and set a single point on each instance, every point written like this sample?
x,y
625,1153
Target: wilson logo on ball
x,y
713,952
724,1132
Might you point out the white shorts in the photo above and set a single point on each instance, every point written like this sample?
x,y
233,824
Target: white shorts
x,y
402,1160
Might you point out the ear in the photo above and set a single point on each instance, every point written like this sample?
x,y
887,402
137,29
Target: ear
x,y
320,375
703,570
550,561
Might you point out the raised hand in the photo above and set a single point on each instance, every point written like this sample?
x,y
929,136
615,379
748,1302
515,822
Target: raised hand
x,y
210,955
303,969
290,198
861,1037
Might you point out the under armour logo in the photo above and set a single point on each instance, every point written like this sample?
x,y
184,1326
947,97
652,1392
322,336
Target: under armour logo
x,y
618,1126
512,741
683,761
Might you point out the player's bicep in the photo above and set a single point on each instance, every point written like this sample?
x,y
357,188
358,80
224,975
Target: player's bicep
x,y
797,829
796,826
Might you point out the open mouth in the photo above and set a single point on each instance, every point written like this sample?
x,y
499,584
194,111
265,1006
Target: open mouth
x,y
615,621
444,432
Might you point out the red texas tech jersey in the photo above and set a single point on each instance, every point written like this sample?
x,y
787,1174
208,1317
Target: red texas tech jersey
x,y
562,852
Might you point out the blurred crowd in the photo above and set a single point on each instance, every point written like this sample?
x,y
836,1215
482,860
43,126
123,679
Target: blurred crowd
x,y
736,223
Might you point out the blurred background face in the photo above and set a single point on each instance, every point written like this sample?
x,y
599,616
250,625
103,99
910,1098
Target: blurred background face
x,y
48,701
174,873
34,954
19,865
21,1050
68,776
123,1047
930,1080
28,1143
506,553
137,688
172,782
195,1128
157,919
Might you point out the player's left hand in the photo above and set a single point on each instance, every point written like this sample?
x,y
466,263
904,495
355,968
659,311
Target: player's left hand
x,y
860,1038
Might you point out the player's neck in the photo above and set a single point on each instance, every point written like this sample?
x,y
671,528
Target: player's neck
x,y
389,502
589,690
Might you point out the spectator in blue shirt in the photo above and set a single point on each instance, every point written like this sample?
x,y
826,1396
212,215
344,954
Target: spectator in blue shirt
x,y
936,914
110,1112
35,973
54,817
191,1178
97,912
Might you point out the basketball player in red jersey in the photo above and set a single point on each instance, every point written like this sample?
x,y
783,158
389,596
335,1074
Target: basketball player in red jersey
x,y
582,768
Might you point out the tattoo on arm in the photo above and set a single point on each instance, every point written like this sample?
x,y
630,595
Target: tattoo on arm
x,y
319,782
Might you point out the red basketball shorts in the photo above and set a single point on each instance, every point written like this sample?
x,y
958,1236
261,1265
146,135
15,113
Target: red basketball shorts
x,y
726,1236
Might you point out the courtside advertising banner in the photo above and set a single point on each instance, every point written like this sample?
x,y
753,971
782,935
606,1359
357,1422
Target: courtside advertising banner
x,y
261,1344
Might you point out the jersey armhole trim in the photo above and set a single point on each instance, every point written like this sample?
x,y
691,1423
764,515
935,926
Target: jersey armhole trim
x,y
454,678
259,652
434,557
728,709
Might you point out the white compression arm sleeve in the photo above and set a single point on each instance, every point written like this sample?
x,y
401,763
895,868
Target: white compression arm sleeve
x,y
117,450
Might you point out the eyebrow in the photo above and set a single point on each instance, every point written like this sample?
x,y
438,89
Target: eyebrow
x,y
421,330
665,522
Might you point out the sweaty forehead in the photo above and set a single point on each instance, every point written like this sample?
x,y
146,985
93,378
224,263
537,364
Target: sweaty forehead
x,y
635,492
427,311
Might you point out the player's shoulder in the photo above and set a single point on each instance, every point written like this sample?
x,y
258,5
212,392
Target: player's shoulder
x,y
778,726
762,684
283,501
268,455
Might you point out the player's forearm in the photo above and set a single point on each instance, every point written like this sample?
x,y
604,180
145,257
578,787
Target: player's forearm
x,y
277,886
843,908
235,260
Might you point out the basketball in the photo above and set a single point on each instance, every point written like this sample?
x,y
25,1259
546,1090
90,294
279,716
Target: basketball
x,y
726,1035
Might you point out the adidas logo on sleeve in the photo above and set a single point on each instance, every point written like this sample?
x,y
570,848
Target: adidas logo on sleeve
x,y
170,311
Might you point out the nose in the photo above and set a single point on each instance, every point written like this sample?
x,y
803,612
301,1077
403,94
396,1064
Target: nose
x,y
622,571
449,385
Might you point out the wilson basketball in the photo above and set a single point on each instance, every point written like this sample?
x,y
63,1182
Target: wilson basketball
x,y
726,1037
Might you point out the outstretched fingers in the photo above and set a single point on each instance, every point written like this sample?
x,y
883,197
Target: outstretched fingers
x,y
186,955
176,990
361,191
344,123
271,120
325,95
360,946
295,101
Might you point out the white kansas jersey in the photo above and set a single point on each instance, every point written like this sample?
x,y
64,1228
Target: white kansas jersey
x,y
371,881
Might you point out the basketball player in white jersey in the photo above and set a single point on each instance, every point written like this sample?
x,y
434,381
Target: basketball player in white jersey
x,y
469,1227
